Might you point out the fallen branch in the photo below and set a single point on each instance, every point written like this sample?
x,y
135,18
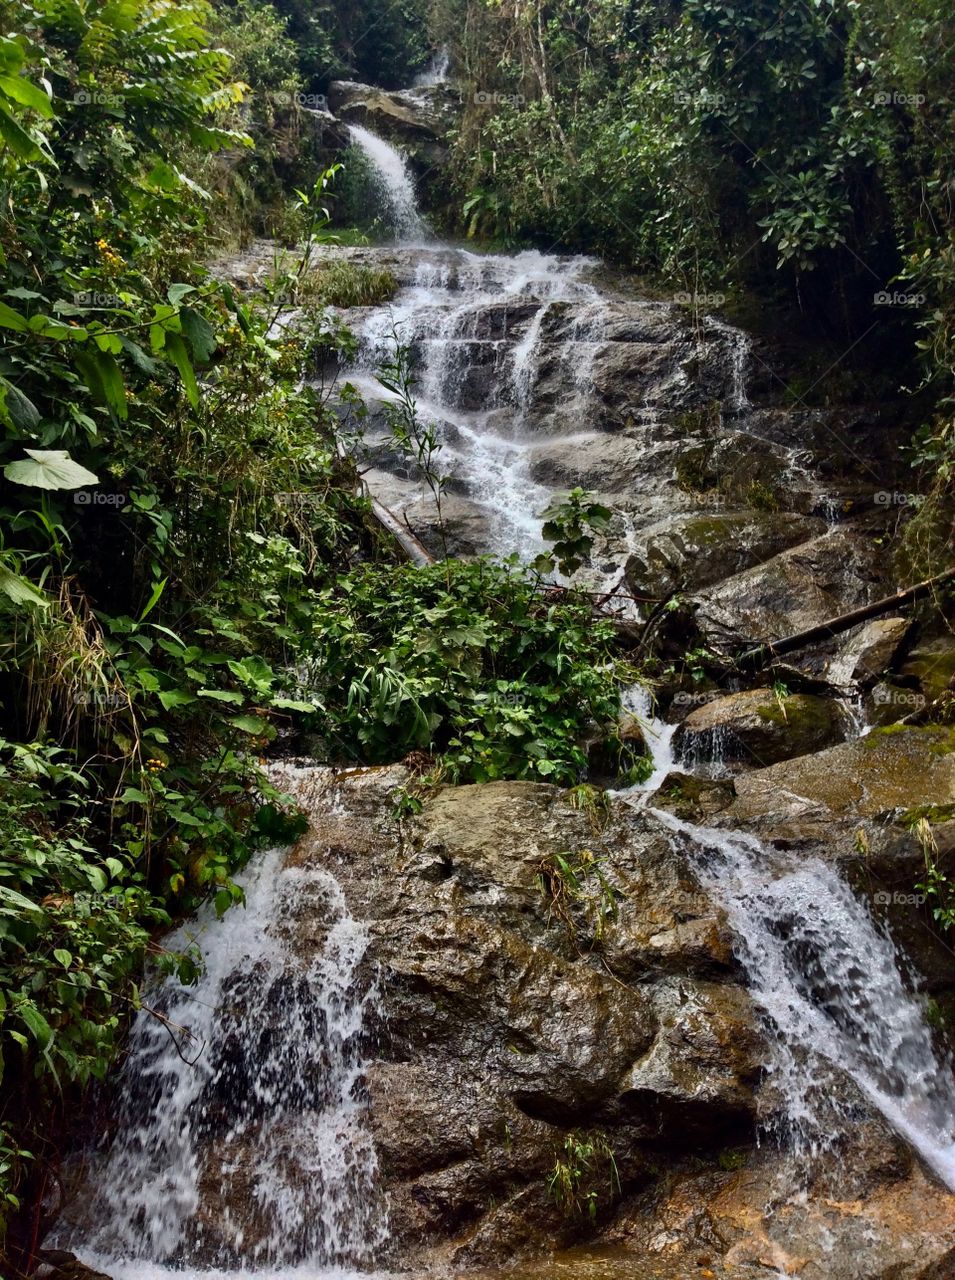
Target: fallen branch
x,y
753,659
415,550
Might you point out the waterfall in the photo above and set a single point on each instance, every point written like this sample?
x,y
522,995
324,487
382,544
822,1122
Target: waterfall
x,y
436,72
240,1126
827,981
476,324
394,182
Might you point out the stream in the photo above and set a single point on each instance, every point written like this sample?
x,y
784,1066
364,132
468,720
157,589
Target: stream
x,y
264,1061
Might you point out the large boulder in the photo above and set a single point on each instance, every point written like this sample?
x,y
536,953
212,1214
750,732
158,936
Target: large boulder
x,y
549,975
792,591
689,552
895,769
418,119
759,726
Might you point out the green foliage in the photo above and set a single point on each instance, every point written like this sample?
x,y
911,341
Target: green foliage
x,y
576,882
341,283
570,525
466,660
937,884
587,1159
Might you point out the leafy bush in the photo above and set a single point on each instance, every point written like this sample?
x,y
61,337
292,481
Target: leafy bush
x,y
467,660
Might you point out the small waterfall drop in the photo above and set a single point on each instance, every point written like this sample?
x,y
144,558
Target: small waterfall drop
x,y
476,324
828,983
394,182
243,1140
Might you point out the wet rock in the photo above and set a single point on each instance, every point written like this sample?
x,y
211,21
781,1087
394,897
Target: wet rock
x,y
60,1264
932,663
792,591
699,1075
693,799
889,770
419,119
697,550
759,726
873,649
525,1006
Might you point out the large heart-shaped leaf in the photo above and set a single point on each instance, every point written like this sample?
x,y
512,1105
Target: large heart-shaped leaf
x,y
49,469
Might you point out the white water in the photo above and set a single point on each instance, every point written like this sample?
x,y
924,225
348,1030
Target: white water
x,y
828,983
465,312
395,184
436,72
255,1104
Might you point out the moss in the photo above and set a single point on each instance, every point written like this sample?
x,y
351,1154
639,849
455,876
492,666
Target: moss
x,y
933,813
733,1158
761,497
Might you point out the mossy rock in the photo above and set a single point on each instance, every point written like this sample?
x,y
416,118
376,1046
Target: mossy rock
x,y
760,726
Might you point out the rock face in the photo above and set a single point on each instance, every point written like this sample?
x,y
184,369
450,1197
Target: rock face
x,y
418,119
524,1015
888,770
539,1027
760,727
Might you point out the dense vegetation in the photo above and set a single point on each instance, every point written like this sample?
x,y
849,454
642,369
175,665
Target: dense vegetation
x,y
189,573
798,151
188,569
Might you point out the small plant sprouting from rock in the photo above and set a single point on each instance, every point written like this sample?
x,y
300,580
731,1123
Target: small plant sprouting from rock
x,y
594,801
416,439
572,881
587,1159
937,887
570,525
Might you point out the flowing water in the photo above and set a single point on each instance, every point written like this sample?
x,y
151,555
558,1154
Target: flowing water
x,y
250,1085
826,978
261,1065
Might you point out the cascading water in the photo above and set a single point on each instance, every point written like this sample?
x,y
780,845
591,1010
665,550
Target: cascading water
x,y
242,1139
828,983
394,183
475,324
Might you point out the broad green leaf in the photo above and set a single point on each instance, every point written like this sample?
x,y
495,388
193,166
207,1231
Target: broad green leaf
x,y
27,94
20,590
222,695
175,698
177,349
199,334
65,958
252,724
36,1024
10,319
16,137
176,292
49,469
18,408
